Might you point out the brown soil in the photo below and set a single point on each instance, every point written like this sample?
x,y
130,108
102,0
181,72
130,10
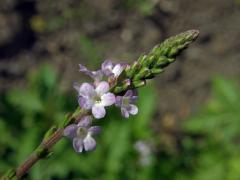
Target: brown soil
x,y
119,32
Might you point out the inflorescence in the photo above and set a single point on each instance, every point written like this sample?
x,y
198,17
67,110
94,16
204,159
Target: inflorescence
x,y
94,97
116,84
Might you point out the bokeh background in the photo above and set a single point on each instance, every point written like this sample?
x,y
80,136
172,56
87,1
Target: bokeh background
x,y
188,126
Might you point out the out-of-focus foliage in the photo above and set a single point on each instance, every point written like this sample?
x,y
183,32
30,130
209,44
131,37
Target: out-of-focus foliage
x,y
207,145
26,114
144,7
237,2
217,131
208,149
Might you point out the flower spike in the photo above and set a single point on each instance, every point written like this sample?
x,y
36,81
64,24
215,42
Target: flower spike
x,y
120,87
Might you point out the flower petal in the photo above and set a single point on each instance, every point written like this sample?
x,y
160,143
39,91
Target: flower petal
x,y
108,99
78,145
81,101
85,103
117,70
133,109
76,86
94,130
82,68
89,143
133,99
95,75
102,88
129,93
118,102
125,113
89,104
98,111
86,90
107,65
85,70
85,121
70,131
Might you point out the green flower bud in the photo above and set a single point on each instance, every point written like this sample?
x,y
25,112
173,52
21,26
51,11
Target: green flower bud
x,y
156,71
138,83
133,69
148,66
143,73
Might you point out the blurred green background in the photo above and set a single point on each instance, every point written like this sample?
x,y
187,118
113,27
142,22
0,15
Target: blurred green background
x,y
188,126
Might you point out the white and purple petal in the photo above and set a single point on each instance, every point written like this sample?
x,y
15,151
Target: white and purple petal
x,y
125,112
129,93
117,70
118,102
81,101
102,88
107,67
97,76
70,131
94,130
108,99
98,111
78,145
85,121
76,86
84,69
133,99
85,103
89,143
133,109
86,90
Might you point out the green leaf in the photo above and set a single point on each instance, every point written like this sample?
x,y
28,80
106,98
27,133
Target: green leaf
x,y
226,91
27,101
118,148
43,79
147,105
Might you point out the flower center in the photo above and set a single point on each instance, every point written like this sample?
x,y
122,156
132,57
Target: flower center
x,y
82,132
125,101
97,99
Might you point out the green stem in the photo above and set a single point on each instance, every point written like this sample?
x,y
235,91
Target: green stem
x,y
44,148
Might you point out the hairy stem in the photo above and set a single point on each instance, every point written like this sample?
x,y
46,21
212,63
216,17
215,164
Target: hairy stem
x,y
52,136
33,158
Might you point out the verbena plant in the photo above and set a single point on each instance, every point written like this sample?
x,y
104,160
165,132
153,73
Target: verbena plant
x,y
113,85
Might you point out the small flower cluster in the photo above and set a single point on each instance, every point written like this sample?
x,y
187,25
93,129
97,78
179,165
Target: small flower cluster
x,y
95,97
113,79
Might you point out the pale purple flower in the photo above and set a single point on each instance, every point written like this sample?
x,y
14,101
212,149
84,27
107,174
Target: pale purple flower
x,y
126,103
95,75
111,69
145,151
95,98
81,134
